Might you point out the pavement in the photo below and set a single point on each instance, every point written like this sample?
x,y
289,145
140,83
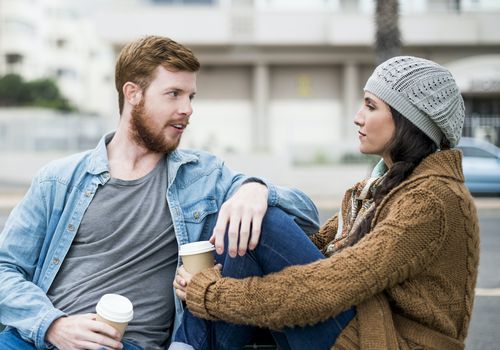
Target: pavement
x,y
9,198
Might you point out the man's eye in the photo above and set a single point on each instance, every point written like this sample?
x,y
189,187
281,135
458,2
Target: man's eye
x,y
173,93
370,107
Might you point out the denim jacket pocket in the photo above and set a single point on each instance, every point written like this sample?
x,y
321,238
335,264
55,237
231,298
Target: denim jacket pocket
x,y
196,212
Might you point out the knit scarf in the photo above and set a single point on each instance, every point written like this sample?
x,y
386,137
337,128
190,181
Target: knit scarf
x,y
361,204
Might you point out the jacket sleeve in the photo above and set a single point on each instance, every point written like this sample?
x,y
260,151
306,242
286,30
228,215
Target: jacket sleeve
x,y
291,201
23,305
399,246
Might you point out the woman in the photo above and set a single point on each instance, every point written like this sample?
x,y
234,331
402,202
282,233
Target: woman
x,y
395,269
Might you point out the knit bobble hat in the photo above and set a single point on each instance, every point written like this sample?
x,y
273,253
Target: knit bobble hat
x,y
423,92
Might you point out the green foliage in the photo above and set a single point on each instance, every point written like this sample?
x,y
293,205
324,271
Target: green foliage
x,y
324,158
13,91
321,158
39,93
358,158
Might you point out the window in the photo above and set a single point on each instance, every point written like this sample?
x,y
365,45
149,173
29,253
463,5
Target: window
x,y
183,2
13,58
66,73
483,117
444,5
61,43
16,26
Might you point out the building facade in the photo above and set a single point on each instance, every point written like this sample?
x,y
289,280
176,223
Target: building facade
x,y
50,39
285,77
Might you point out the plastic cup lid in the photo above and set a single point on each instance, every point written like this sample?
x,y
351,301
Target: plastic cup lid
x,y
116,308
196,248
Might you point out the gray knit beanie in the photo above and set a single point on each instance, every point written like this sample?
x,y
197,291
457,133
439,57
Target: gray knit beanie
x,y
423,92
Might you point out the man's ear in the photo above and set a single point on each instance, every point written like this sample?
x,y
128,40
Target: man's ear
x,y
132,93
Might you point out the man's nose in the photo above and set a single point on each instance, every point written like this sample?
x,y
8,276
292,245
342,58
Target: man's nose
x,y
186,107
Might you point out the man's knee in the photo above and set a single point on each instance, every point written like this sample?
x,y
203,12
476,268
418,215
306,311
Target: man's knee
x,y
276,220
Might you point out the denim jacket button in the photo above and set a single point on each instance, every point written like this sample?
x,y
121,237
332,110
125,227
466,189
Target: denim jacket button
x,y
71,227
88,193
196,215
56,261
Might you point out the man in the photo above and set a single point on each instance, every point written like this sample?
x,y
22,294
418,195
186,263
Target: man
x,y
110,220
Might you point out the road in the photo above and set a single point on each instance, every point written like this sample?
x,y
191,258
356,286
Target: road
x,y
485,325
484,331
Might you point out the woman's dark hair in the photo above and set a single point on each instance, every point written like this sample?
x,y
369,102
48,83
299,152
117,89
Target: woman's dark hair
x,y
408,147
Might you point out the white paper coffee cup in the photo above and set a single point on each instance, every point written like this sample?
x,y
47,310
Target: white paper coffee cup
x,y
115,310
197,256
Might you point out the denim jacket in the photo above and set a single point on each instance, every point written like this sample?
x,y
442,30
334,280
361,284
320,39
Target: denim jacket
x,y
41,228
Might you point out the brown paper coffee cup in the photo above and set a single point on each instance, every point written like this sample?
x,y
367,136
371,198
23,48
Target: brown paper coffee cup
x,y
119,326
197,256
115,310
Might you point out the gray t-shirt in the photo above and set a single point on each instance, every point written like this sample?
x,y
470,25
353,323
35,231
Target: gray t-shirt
x,y
126,245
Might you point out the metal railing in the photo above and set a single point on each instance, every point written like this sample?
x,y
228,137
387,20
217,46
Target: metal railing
x,y
484,126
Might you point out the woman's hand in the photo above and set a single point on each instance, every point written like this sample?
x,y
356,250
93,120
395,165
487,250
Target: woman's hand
x,y
182,280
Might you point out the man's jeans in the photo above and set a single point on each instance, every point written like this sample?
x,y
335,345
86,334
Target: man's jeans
x,y
281,244
10,340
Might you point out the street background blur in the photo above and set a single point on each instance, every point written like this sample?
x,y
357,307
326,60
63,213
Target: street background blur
x,y
279,86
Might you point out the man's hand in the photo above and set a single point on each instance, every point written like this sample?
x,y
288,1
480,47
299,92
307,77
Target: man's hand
x,y
83,332
243,212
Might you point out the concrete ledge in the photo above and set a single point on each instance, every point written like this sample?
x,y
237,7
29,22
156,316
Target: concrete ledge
x,y
9,199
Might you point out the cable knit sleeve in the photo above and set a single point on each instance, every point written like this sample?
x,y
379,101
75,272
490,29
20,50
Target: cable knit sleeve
x,y
326,233
408,230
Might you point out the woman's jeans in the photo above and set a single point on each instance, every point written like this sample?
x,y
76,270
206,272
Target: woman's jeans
x,y
11,340
282,243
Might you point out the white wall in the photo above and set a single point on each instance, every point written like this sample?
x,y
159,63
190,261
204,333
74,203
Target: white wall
x,y
301,128
220,126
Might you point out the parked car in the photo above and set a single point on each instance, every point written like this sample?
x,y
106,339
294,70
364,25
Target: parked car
x,y
481,164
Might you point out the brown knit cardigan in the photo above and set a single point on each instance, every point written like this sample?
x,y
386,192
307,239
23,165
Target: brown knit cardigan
x,y
411,278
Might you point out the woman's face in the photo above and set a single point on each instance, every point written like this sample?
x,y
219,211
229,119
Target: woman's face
x,y
376,127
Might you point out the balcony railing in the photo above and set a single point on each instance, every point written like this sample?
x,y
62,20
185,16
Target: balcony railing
x,y
483,126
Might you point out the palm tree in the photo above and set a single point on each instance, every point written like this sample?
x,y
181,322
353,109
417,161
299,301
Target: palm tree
x,y
388,36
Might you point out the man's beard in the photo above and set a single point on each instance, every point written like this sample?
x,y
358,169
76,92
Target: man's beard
x,y
144,134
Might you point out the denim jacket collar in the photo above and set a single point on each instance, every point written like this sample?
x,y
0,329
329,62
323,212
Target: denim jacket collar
x,y
175,160
99,162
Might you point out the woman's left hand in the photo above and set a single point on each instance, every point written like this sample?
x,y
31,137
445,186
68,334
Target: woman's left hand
x,y
181,281
183,278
